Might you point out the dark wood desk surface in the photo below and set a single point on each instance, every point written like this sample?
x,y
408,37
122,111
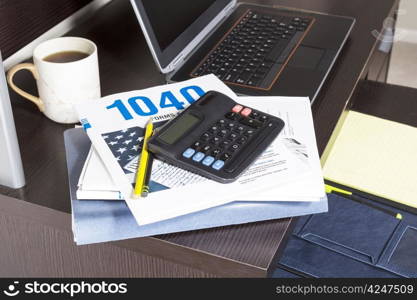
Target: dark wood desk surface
x,y
391,102
126,64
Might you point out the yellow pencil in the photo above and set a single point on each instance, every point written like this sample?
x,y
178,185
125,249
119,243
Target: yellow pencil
x,y
144,161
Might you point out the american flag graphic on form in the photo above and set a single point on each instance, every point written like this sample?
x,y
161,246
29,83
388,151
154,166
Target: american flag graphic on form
x,y
125,144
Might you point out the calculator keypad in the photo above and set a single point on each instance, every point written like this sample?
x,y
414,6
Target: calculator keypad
x,y
225,137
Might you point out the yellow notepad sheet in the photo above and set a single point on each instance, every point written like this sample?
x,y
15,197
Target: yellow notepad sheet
x,y
376,156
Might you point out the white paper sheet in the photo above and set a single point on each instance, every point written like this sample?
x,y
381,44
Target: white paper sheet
x,y
299,138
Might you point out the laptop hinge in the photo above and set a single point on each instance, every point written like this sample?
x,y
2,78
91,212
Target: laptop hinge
x,y
178,61
183,57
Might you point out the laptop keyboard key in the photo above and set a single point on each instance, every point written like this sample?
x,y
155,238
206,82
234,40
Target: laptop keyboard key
x,y
252,82
230,77
240,80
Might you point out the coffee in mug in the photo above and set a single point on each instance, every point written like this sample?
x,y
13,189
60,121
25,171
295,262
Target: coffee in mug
x,y
66,72
66,56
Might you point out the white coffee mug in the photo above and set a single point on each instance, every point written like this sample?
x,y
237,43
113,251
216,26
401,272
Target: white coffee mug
x,y
61,84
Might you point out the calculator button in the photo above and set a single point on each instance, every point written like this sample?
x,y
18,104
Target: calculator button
x,y
215,140
213,128
242,139
239,129
254,115
231,125
221,122
206,136
226,156
251,122
233,136
263,118
237,108
232,116
249,132
223,132
198,156
208,161
218,165
197,145
206,148
234,147
246,112
188,153
225,144
216,152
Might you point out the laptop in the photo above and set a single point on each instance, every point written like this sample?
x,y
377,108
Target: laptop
x,y
256,50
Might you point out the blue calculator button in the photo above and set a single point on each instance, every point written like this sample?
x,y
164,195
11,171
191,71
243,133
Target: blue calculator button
x,y
198,156
218,165
208,161
188,153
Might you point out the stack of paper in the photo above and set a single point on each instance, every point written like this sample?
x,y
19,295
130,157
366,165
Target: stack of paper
x,y
289,170
98,221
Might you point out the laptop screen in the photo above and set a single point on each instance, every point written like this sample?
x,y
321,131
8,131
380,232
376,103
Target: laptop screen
x,y
169,26
165,21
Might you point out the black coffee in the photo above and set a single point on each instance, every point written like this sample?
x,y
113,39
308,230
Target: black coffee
x,y
65,56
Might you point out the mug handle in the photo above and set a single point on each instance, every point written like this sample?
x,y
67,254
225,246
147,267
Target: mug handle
x,y
32,69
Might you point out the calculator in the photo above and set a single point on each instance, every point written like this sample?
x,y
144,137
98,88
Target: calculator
x,y
215,137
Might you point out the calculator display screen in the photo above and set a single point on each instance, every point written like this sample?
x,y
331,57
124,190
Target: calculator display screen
x,y
180,127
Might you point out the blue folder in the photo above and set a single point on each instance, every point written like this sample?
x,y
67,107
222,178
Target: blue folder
x,y
353,239
97,221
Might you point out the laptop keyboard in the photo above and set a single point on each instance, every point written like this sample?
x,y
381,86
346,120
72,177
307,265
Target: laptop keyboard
x,y
255,51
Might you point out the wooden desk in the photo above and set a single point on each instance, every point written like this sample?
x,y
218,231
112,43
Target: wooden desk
x,y
391,102
36,231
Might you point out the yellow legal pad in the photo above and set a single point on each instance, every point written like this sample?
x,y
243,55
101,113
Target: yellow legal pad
x,y
376,156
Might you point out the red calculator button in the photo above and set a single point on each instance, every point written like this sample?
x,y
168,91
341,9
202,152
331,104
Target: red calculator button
x,y
237,108
246,112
